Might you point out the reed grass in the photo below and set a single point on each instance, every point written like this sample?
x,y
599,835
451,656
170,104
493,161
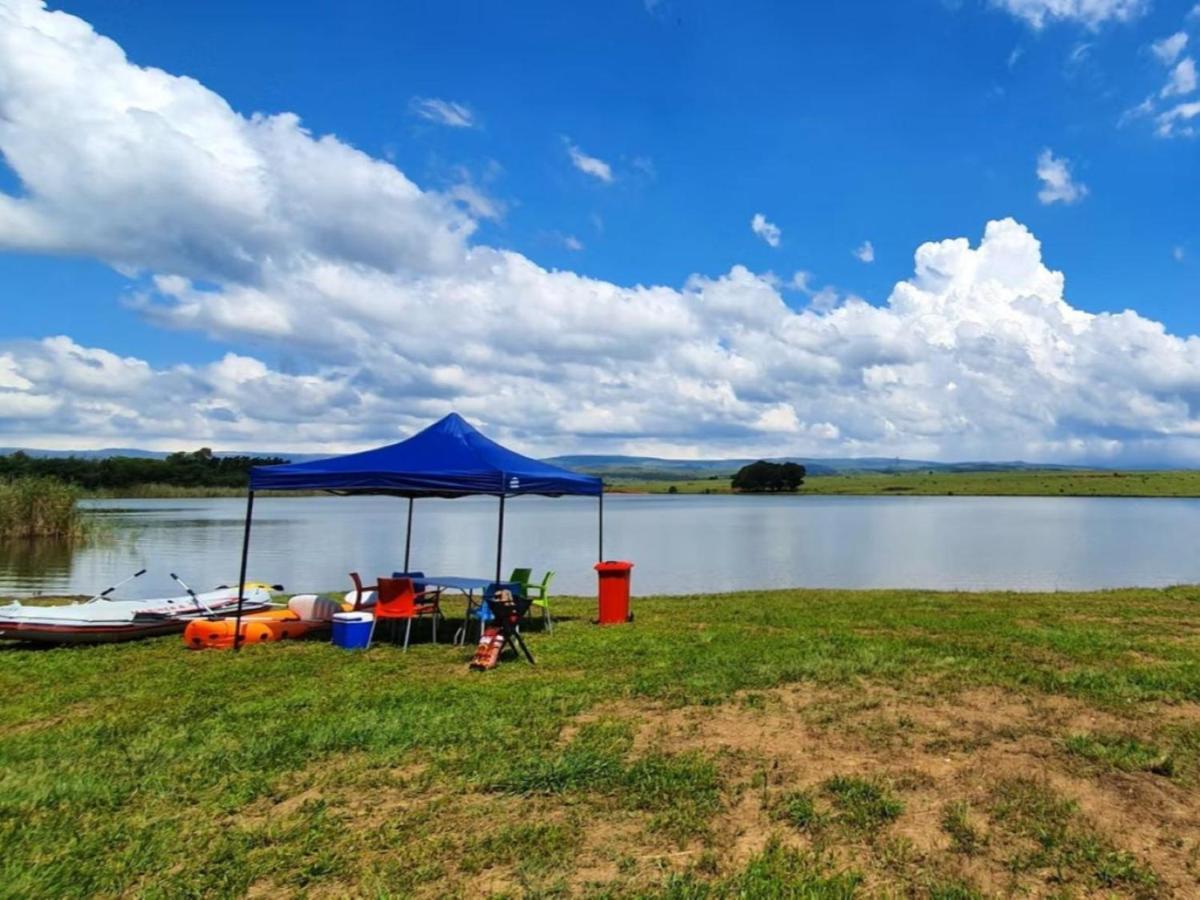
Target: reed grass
x,y
40,508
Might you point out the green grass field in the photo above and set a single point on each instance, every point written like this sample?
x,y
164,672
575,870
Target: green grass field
x,y
1037,482
781,744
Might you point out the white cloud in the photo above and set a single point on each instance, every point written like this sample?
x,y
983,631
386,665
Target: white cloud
x,y
443,112
720,364
589,165
800,281
1177,253
1168,49
825,299
865,252
1176,121
572,243
768,231
1057,183
1182,79
644,165
186,185
478,203
1079,55
1091,13
1170,120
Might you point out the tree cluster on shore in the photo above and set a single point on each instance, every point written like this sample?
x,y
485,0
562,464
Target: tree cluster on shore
x,y
769,477
195,469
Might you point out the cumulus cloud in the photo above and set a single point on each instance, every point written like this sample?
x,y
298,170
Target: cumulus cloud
x,y
1057,184
443,112
766,230
977,354
865,252
186,185
1091,13
589,165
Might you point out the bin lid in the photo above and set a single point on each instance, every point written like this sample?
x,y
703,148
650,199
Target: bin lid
x,y
353,617
613,565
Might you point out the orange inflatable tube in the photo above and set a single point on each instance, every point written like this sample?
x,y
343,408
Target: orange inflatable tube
x,y
300,618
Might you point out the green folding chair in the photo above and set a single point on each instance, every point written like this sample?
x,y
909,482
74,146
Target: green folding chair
x,y
539,595
521,577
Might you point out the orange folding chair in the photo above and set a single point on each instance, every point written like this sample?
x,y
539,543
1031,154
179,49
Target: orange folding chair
x,y
397,599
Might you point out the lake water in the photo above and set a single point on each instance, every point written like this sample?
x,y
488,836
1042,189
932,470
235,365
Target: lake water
x,y
679,544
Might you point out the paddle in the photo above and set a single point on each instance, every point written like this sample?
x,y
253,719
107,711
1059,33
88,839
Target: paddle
x,y
195,599
103,595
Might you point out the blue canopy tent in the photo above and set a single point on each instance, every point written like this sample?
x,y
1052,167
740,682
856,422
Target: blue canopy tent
x,y
450,458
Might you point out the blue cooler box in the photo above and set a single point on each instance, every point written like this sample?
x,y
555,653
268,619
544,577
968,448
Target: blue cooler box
x,y
352,630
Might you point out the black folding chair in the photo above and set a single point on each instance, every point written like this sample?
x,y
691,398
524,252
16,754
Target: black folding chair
x,y
508,604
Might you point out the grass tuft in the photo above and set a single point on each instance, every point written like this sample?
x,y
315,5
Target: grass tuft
x,y
1062,841
778,872
965,838
1122,752
862,805
681,791
798,809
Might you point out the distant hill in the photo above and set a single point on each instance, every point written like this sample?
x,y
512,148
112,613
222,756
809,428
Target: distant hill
x,y
651,468
86,454
151,454
642,468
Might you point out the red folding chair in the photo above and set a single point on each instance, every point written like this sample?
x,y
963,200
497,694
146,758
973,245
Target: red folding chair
x,y
397,599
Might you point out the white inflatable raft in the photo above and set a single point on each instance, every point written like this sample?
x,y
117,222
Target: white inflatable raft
x,y
101,620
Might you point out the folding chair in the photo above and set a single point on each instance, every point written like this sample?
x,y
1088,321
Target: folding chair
x,y
507,608
397,599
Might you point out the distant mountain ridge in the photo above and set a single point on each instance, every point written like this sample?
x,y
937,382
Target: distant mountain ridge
x,y
646,468
107,452
653,468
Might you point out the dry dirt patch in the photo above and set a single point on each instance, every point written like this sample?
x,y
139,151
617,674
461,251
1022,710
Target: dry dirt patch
x,y
936,750
932,750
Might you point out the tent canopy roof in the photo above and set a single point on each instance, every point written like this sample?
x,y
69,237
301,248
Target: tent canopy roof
x,y
450,458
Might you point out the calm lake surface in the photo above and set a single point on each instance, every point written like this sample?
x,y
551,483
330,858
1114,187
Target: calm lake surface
x,y
679,544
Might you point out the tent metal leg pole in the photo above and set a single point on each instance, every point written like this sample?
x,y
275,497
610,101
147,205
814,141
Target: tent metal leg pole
x,y
600,549
500,539
237,621
408,535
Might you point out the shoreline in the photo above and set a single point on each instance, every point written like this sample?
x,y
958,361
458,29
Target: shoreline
x,y
1175,484
775,593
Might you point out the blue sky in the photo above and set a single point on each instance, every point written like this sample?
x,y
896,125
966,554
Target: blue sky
x,y
895,124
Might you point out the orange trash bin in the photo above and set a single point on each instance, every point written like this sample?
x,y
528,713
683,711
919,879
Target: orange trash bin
x,y
614,592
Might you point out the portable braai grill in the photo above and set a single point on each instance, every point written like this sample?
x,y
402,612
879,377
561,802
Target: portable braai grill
x,y
507,611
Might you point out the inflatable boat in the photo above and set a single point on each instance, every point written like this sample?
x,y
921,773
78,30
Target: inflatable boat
x,y
101,620
305,614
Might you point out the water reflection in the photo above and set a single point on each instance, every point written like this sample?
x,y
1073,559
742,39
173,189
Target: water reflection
x,y
30,562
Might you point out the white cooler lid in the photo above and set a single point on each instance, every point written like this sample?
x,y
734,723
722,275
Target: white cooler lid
x,y
353,617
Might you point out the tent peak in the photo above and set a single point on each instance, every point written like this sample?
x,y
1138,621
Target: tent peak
x,y
447,458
